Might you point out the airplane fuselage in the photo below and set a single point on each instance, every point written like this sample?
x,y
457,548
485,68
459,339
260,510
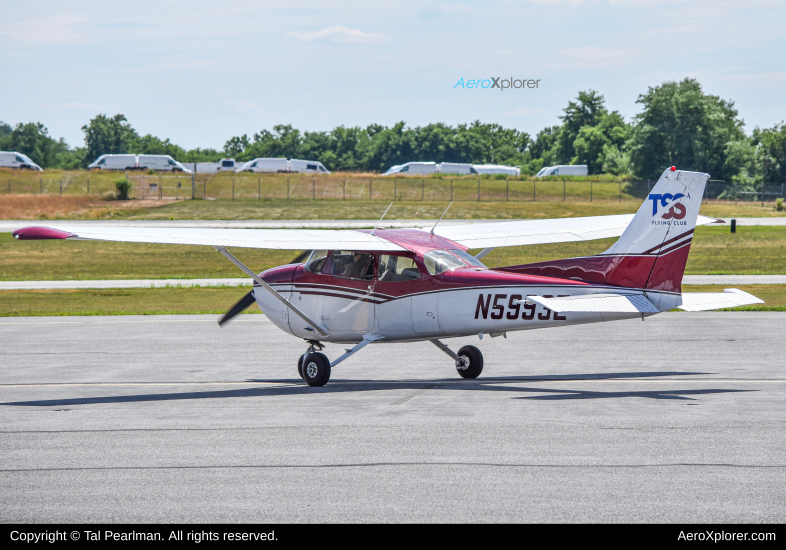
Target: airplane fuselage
x,y
460,302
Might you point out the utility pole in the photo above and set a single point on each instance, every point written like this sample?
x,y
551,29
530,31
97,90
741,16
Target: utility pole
x,y
193,183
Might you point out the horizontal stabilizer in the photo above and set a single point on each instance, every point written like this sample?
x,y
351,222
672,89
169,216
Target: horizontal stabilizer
x,y
705,301
598,303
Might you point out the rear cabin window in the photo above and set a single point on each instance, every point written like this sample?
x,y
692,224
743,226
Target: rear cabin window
x,y
348,263
469,258
311,166
439,261
397,268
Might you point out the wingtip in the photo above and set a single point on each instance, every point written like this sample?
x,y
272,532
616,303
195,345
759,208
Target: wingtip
x,y
35,233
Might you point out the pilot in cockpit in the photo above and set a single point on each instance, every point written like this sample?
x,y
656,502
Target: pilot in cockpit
x,y
357,267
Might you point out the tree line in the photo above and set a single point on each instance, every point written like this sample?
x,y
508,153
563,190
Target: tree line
x,y
679,125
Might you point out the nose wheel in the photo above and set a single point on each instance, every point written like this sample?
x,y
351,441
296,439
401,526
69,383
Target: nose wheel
x,y
316,369
470,363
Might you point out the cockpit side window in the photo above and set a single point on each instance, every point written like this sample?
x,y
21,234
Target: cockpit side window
x,y
397,268
348,263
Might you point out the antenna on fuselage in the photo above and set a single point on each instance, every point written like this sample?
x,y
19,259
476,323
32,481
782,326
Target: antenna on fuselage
x,y
440,218
373,231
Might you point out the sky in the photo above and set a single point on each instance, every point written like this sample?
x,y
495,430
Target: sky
x,y
199,72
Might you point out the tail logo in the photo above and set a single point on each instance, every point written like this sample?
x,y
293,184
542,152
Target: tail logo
x,y
674,210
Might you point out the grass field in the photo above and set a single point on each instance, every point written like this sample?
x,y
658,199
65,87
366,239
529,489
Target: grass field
x,y
217,300
752,250
35,195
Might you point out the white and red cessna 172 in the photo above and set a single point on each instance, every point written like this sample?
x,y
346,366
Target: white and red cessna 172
x,y
405,285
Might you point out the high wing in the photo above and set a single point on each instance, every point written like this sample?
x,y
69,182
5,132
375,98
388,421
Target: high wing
x,y
277,239
524,232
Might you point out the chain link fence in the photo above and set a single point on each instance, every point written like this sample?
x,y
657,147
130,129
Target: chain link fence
x,y
304,187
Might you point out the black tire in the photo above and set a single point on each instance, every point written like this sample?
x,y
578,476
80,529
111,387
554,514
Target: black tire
x,y
300,365
475,362
316,369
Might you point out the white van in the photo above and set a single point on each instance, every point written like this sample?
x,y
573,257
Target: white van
x,y
12,159
491,169
563,170
163,163
114,162
265,165
227,165
454,168
412,169
307,167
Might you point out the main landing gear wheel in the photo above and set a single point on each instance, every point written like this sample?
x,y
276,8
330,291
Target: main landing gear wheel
x,y
300,365
316,369
472,362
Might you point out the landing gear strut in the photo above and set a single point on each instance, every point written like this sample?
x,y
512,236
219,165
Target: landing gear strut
x,y
469,360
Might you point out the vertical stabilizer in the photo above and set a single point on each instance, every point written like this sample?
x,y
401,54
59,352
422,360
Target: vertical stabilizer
x,y
654,248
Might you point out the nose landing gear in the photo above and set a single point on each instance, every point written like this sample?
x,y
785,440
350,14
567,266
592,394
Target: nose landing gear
x,y
312,366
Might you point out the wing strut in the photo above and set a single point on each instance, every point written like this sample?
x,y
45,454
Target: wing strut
x,y
270,289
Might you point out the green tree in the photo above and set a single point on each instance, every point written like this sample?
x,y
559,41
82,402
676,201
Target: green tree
x,y
104,136
770,153
684,127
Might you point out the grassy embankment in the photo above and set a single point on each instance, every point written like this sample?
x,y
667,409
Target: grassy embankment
x,y
752,250
340,196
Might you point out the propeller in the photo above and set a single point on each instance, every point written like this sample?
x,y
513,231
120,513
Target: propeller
x,y
242,304
249,299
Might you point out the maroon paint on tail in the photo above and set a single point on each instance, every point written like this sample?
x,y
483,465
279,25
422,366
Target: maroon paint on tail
x,y
655,271
40,233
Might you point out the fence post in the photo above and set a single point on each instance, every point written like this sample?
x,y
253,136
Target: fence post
x,y
620,183
534,196
478,189
370,184
9,186
422,189
344,196
313,189
762,194
590,190
507,190
287,187
451,189
160,188
233,188
563,189
42,185
193,184
204,189
88,186
61,185
259,189
395,188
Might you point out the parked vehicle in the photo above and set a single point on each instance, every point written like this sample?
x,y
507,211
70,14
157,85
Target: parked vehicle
x,y
114,162
12,159
563,170
163,163
227,165
412,168
491,169
307,167
454,168
265,165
